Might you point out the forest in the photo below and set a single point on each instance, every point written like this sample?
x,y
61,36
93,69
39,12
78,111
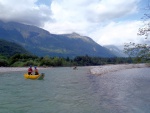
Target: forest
x,y
14,55
22,60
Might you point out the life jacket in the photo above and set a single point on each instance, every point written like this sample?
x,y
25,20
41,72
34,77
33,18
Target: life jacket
x,y
30,70
36,70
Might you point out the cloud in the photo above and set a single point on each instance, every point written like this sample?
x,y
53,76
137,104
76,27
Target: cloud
x,y
24,11
118,33
111,9
95,18
92,10
102,20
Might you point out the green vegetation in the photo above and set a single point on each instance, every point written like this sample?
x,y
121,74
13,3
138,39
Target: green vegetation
x,y
10,48
12,54
20,60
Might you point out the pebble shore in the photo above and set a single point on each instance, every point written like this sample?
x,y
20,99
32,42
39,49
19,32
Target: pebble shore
x,y
99,70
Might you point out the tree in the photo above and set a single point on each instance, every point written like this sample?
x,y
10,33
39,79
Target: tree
x,y
141,51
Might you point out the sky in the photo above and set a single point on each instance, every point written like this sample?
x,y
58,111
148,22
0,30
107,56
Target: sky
x,y
107,22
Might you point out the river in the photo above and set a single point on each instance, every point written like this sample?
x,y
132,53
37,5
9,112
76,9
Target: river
x,y
65,90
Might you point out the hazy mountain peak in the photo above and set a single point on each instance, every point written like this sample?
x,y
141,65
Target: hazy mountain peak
x,y
116,50
75,35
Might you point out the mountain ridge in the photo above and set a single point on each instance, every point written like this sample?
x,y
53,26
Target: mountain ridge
x,y
41,42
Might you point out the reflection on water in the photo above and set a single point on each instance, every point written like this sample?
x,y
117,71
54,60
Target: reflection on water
x,y
65,90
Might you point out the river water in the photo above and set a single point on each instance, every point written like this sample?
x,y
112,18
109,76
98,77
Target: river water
x,y
65,90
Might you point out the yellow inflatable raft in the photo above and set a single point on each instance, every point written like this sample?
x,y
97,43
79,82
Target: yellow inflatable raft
x,y
34,77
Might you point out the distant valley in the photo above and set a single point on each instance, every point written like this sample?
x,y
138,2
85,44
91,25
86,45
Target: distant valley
x,y
116,50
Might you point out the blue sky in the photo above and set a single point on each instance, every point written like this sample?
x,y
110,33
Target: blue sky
x,y
105,21
45,2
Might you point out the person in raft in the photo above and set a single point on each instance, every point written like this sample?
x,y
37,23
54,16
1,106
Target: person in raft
x,y
30,70
36,71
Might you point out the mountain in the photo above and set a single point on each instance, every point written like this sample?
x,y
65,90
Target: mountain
x,y
116,51
10,48
40,42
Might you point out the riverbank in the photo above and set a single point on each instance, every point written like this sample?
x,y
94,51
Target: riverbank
x,y
95,70
99,70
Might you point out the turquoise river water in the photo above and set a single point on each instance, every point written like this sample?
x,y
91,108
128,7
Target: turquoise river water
x,y
65,90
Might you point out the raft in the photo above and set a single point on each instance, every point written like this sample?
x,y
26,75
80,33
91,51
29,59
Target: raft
x,y
34,77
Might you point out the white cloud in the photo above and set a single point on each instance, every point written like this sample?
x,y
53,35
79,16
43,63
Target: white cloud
x,y
92,10
24,11
118,33
111,9
94,18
